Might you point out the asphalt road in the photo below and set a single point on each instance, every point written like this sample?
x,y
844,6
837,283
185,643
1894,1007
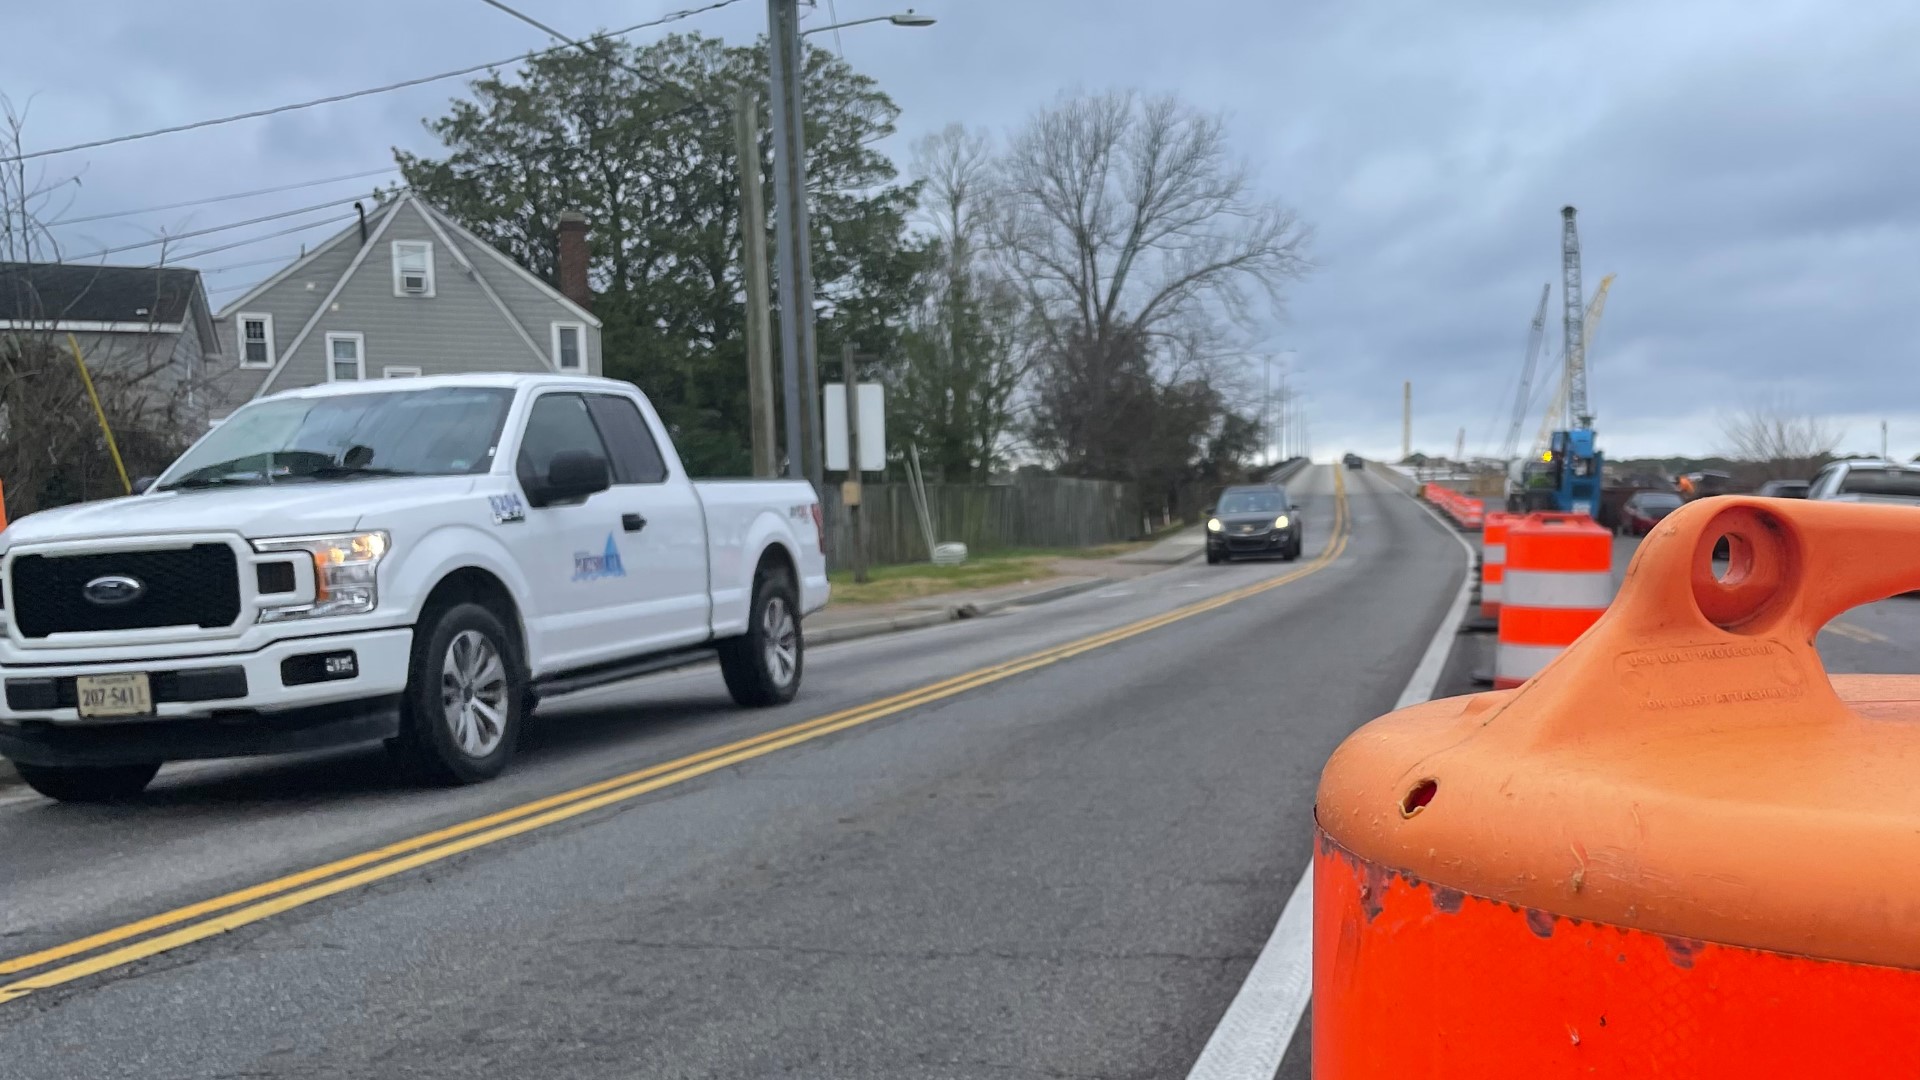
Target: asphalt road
x,y
1061,872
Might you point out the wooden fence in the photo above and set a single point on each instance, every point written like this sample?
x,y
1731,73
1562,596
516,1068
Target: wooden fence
x,y
1030,512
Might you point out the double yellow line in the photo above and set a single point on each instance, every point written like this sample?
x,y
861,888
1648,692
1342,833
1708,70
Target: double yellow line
x,y
196,922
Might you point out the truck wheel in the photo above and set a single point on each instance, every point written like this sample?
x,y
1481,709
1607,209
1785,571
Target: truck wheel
x,y
87,783
762,666
460,716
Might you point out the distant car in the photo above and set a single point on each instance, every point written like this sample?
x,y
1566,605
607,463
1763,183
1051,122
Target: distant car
x,y
1253,520
1867,480
1784,489
1354,461
1644,509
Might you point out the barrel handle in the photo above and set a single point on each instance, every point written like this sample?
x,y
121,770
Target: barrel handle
x,y
1683,643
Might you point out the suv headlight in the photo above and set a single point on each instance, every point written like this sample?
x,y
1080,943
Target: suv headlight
x,y
1280,522
344,573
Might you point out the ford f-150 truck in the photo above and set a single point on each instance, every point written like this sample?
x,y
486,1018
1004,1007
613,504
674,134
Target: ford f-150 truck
x,y
416,561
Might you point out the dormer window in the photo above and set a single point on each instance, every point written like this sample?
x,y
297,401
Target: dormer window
x,y
412,268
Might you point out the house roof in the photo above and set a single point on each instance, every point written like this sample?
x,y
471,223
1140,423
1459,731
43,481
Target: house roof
x,y
74,292
379,214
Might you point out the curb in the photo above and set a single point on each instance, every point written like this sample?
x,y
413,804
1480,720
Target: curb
x,y
876,627
1041,596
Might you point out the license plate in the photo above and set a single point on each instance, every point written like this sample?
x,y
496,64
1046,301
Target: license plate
x,y
126,694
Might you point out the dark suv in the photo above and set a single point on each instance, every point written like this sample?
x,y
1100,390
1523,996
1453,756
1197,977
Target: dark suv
x,y
1354,461
1253,520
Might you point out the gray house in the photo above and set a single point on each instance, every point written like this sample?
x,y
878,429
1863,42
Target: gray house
x,y
149,325
405,292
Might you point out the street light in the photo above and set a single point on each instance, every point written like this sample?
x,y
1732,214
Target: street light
x,y
906,18
800,374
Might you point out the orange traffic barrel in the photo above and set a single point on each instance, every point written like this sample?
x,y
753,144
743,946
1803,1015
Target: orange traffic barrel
x,y
1681,850
1493,561
1557,580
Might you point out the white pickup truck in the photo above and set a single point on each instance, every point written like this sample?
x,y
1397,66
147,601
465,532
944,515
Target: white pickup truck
x,y
416,561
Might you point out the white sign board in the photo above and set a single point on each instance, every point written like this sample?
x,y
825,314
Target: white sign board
x,y
873,426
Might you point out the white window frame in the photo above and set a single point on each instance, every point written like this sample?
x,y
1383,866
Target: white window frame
x,y
359,347
399,371
240,338
425,246
553,335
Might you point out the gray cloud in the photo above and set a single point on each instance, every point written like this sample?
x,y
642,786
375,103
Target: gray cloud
x,y
1747,169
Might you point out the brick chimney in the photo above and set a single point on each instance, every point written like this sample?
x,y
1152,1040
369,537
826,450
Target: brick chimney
x,y
572,229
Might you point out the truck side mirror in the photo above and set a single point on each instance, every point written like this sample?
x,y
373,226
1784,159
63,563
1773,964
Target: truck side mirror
x,y
572,475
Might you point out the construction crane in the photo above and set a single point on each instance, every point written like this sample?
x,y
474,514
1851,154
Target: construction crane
x,y
1558,407
1565,468
1536,335
1573,302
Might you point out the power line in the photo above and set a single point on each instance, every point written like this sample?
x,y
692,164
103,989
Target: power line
x,y
264,236
211,229
654,81
209,200
331,99
283,258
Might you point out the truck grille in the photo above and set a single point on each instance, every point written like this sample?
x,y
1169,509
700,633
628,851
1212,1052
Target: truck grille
x,y
196,586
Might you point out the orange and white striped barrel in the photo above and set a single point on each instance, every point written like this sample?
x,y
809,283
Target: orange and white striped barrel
x,y
1493,562
1558,579
1683,850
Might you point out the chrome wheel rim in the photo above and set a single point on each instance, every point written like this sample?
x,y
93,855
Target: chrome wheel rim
x,y
473,693
781,637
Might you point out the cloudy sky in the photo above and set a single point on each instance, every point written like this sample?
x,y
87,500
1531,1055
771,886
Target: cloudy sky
x,y
1747,168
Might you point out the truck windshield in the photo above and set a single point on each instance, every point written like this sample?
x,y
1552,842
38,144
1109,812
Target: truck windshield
x,y
438,432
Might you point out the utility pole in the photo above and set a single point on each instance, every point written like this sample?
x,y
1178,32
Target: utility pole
x,y
1883,441
850,492
1406,420
753,260
1266,410
801,384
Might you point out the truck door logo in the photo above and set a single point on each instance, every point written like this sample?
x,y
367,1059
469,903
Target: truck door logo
x,y
591,567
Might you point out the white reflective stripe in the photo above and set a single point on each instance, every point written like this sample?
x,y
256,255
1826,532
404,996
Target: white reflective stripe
x,y
1522,661
1585,589
1493,590
1491,554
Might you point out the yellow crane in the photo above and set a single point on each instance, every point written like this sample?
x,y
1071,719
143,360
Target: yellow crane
x,y
1556,409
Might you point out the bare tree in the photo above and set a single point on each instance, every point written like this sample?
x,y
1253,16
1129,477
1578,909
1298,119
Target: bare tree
x,y
1778,441
968,343
52,448
1136,238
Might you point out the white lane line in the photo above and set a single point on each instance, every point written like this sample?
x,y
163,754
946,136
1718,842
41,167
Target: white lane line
x,y
1259,1024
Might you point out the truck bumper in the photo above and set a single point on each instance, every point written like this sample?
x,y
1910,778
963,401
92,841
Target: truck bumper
x,y
297,694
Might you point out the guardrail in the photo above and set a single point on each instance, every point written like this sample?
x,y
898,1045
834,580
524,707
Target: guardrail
x,y
1287,470
1393,476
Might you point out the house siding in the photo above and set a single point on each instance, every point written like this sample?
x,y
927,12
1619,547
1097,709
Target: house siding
x,y
291,303
535,309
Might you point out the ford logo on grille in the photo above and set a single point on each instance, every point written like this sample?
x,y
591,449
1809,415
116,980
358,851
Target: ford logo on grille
x,y
113,590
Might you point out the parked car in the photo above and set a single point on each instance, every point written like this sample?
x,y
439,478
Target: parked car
x,y
415,561
1253,520
1783,489
1867,480
1644,509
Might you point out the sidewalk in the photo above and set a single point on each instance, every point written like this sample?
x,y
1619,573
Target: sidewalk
x,y
1178,548
845,622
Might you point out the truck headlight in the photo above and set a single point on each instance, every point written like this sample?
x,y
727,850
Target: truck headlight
x,y
344,573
